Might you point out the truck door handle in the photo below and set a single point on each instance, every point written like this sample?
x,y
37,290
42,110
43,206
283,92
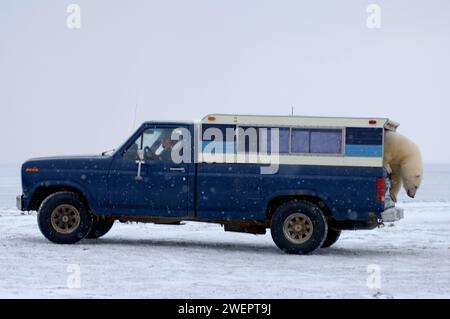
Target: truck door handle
x,y
177,169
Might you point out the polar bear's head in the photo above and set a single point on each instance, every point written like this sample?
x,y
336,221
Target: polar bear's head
x,y
412,174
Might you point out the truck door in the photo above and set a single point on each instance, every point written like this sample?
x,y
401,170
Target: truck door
x,y
150,184
226,190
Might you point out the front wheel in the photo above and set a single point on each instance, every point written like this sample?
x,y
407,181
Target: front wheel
x,y
298,227
63,218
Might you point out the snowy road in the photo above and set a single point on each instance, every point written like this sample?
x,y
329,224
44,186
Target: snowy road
x,y
202,261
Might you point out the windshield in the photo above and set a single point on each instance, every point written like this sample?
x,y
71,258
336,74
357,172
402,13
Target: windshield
x,y
122,144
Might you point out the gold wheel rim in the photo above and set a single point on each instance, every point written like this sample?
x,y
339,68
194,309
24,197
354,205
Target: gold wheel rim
x,y
298,228
65,219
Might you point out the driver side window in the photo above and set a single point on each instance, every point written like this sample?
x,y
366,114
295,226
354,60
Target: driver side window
x,y
156,144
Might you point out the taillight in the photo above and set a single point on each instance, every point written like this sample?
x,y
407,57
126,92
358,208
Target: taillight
x,y
381,189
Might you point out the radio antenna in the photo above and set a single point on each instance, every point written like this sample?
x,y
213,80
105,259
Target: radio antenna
x,y
134,120
292,110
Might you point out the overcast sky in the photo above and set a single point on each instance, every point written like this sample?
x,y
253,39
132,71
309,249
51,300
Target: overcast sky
x,y
74,91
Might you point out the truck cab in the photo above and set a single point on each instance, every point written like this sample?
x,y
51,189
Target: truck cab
x,y
304,178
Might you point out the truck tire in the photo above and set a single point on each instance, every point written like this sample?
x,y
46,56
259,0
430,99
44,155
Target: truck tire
x,y
100,226
298,227
332,237
63,218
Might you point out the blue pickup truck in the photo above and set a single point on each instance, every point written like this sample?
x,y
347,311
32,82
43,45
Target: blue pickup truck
x,y
304,178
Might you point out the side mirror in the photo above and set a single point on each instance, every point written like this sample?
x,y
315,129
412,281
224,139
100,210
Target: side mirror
x,y
140,155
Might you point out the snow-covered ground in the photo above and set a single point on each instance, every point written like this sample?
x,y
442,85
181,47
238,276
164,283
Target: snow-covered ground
x,y
202,261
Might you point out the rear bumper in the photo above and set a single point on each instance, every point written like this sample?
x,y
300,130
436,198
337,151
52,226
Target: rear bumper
x,y
19,202
392,214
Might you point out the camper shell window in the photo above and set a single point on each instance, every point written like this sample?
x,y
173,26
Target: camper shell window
x,y
316,141
257,144
292,140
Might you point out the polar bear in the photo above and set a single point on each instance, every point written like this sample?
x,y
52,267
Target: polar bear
x,y
402,159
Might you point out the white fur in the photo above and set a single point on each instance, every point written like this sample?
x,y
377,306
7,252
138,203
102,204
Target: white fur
x,y
403,161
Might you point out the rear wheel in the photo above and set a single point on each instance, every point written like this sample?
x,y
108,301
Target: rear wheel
x,y
332,238
63,218
298,227
100,226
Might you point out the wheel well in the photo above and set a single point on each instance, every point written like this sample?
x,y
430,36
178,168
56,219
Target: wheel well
x,y
43,192
279,200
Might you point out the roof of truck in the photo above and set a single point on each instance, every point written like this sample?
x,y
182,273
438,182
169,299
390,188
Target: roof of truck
x,y
168,122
